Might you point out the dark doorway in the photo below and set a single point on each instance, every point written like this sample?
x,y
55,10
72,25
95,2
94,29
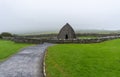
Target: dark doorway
x,y
66,36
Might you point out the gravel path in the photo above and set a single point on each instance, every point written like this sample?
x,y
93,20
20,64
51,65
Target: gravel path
x,y
27,63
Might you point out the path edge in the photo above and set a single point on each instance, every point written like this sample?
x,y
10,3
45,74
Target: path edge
x,y
44,72
44,57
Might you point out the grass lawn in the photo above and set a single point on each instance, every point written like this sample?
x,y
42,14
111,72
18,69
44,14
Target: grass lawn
x,y
8,48
84,60
87,37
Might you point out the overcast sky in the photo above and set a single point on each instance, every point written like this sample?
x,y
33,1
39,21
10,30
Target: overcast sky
x,y
43,15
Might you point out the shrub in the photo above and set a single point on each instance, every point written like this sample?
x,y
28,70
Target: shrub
x,y
6,34
0,37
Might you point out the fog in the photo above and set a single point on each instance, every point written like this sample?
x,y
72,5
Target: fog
x,y
20,16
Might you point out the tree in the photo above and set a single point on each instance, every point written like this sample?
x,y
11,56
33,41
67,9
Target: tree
x,y
6,34
0,37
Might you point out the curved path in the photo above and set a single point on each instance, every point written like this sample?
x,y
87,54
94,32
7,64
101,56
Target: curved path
x,y
26,63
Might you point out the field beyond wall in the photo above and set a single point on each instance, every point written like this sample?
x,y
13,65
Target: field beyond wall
x,y
84,60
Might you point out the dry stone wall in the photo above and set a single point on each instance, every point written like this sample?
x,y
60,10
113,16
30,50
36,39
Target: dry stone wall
x,y
84,41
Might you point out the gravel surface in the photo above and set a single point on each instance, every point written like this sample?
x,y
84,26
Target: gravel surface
x,y
26,63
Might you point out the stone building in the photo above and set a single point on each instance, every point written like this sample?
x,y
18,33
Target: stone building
x,y
66,33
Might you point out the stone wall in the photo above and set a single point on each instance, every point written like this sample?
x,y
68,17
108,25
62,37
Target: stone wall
x,y
84,41
8,38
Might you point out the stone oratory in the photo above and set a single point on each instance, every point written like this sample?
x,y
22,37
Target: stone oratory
x,y
66,33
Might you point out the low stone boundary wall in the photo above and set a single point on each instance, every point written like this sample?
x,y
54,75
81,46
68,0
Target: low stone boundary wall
x,y
8,38
25,40
84,41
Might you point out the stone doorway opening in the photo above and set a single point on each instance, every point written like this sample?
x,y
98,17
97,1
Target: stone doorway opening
x,y
66,37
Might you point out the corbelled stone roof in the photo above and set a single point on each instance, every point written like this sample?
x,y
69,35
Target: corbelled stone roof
x,y
66,32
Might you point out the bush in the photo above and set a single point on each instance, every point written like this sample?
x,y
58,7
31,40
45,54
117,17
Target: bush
x,y
0,37
6,34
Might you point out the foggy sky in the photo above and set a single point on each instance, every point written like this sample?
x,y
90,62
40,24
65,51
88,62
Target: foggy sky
x,y
44,15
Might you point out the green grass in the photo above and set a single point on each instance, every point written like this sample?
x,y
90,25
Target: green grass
x,y
8,48
84,60
87,37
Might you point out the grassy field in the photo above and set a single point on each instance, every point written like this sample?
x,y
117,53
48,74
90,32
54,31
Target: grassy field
x,y
8,48
84,60
87,37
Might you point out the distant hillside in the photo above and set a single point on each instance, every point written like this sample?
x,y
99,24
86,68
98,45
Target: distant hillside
x,y
77,31
98,31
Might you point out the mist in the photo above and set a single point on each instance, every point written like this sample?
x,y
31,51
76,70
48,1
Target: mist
x,y
20,16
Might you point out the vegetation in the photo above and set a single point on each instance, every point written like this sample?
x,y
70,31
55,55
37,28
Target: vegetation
x,y
8,48
87,37
84,60
0,37
6,34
